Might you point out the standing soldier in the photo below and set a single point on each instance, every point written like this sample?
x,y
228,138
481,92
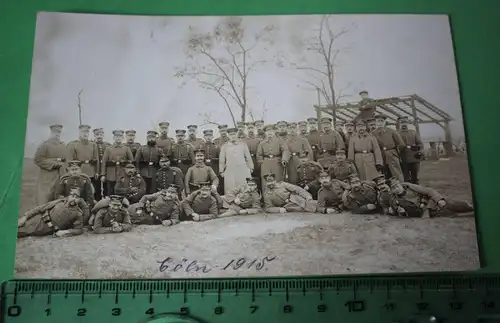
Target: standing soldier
x,y
339,127
390,143
302,129
296,146
115,158
314,137
147,160
164,142
194,141
130,142
168,175
329,141
272,155
223,135
101,190
259,126
200,173
84,150
342,168
50,157
371,124
411,153
366,106
281,129
182,152
350,131
253,143
364,151
131,185
241,129
212,150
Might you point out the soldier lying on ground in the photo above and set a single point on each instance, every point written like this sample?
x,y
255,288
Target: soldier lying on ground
x,y
330,194
131,186
383,195
201,205
361,198
413,200
75,178
63,217
282,197
162,207
242,200
112,219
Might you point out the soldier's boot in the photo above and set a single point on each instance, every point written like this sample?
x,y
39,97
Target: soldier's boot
x,y
228,213
203,217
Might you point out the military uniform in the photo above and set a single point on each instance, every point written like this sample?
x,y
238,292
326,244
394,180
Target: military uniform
x,y
197,174
54,216
164,142
197,143
147,161
168,176
367,108
241,198
364,151
80,181
270,154
329,142
411,154
330,195
390,143
296,146
107,220
252,142
134,146
101,190
307,173
131,187
85,151
156,210
50,157
287,196
259,126
212,151
115,158
205,208
342,169
358,199
182,154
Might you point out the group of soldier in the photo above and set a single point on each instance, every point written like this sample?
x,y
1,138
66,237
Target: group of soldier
x,y
363,166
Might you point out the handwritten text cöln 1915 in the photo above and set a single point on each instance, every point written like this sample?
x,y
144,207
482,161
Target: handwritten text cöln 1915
x,y
193,266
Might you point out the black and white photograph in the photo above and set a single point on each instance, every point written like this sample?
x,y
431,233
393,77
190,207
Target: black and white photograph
x,y
243,146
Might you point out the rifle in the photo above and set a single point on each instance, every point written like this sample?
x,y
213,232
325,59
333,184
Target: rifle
x,y
285,172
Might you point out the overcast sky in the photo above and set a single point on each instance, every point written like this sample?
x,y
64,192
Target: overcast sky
x,y
126,65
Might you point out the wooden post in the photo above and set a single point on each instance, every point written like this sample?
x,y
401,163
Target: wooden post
x,y
415,117
448,140
434,153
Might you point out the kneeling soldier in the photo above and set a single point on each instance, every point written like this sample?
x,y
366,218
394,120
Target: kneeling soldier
x,y
132,185
169,175
200,173
159,208
201,205
242,200
383,195
284,197
63,217
330,194
75,178
361,197
307,173
112,219
413,200
341,168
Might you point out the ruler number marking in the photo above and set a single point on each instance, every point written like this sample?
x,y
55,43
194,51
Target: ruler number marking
x,y
150,311
321,308
355,306
218,310
116,311
81,312
253,309
287,309
14,311
48,312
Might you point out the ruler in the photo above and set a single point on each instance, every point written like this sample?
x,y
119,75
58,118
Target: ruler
x,y
392,299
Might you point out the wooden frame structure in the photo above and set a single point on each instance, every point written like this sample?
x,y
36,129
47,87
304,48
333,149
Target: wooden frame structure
x,y
413,106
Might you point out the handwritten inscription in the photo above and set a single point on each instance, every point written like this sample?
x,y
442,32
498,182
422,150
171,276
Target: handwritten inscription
x,y
193,266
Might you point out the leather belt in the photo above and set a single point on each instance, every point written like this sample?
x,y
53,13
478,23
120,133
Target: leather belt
x,y
48,220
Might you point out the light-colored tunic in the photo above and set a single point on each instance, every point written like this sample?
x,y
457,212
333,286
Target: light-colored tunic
x,y
235,162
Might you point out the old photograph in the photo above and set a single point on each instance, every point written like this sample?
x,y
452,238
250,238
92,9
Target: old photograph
x,y
224,146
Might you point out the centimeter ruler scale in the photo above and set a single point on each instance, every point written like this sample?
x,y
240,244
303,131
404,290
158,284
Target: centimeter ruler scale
x,y
447,298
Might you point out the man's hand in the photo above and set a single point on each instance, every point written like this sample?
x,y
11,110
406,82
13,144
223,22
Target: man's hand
x,y
371,207
331,211
243,212
401,210
237,201
214,188
166,223
251,170
103,178
61,233
96,176
221,174
442,203
195,216
21,221
282,210
390,210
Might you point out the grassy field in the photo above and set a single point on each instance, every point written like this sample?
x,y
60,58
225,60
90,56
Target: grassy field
x,y
301,244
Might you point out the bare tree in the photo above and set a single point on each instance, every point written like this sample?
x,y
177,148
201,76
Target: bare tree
x,y
208,119
79,98
322,77
222,60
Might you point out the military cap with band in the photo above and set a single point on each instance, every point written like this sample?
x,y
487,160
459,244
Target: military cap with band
x,y
379,179
56,127
192,126
380,117
84,127
370,120
199,151
240,123
98,130
164,124
251,180
281,122
302,123
74,163
232,130
326,120
151,133
349,123
323,173
312,119
164,158
116,199
259,122
208,132
360,123
173,187
363,92
117,132
204,185
180,132
130,132
129,165
269,176
340,151
223,126
393,181
269,127
292,125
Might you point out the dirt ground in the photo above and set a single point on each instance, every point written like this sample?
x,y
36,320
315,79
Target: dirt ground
x,y
294,244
